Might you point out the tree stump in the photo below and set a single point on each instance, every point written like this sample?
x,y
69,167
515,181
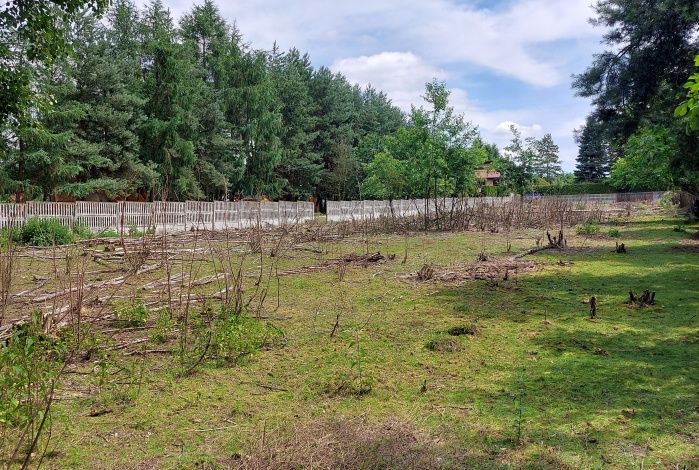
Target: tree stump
x,y
593,307
647,298
620,248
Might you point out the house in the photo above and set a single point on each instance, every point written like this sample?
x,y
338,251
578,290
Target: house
x,y
486,175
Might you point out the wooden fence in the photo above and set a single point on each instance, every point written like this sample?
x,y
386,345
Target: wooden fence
x,y
159,216
338,211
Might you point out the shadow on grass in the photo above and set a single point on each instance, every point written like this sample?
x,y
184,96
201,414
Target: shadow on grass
x,y
600,388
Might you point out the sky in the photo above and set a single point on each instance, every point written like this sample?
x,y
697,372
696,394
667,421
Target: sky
x,y
504,61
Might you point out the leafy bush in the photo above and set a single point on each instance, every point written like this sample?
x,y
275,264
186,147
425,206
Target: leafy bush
x,y
614,232
679,228
108,233
135,232
30,365
82,232
133,315
667,201
44,232
587,230
235,336
489,191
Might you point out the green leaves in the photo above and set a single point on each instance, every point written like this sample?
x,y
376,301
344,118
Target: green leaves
x,y
689,109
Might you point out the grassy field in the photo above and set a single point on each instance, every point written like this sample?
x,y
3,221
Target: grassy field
x,y
478,360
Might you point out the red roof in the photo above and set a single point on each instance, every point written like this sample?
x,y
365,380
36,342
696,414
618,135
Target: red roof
x,y
486,175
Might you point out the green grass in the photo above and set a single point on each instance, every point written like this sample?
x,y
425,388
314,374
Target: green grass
x,y
620,391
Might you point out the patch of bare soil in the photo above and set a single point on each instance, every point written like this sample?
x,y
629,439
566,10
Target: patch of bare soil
x,y
356,443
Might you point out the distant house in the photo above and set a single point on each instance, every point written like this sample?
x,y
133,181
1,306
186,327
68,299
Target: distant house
x,y
486,175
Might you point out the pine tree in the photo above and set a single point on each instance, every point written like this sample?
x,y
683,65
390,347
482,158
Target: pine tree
x,y
593,160
300,165
336,113
219,162
548,164
167,133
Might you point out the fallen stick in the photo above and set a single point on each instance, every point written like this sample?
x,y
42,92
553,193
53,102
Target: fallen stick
x,y
534,250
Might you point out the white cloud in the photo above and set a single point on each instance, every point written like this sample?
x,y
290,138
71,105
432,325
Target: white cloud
x,y
399,45
402,75
445,31
534,130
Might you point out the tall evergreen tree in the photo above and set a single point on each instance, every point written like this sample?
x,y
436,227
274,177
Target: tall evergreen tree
x,y
219,163
167,133
548,163
300,165
593,160
104,90
336,112
638,82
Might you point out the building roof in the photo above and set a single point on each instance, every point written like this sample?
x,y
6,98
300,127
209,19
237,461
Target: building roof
x,y
486,175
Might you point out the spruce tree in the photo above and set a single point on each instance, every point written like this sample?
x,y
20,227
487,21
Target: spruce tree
x,y
300,165
169,90
593,160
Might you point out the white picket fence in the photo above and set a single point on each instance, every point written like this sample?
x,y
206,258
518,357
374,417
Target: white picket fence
x,y
159,216
338,211
611,198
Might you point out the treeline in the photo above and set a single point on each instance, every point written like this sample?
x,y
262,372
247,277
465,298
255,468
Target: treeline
x,y
146,106
632,135
188,111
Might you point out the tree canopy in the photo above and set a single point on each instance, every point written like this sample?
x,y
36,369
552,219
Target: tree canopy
x,y
146,105
638,83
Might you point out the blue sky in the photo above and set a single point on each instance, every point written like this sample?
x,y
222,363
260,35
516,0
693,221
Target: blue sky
x,y
505,61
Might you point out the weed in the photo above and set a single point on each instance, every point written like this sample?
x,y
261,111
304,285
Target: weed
x,y
30,365
134,232
163,327
108,233
362,382
679,228
472,329
132,315
614,233
444,343
235,336
42,232
83,232
518,402
587,229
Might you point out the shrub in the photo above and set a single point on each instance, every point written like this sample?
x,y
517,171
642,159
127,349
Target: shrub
x,y
82,232
133,315
135,232
667,201
235,336
587,230
614,232
44,232
489,191
108,233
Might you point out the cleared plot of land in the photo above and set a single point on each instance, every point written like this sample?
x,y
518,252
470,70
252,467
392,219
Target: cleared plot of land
x,y
350,348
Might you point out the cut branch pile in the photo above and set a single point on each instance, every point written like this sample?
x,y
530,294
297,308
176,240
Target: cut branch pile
x,y
491,270
352,258
558,242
